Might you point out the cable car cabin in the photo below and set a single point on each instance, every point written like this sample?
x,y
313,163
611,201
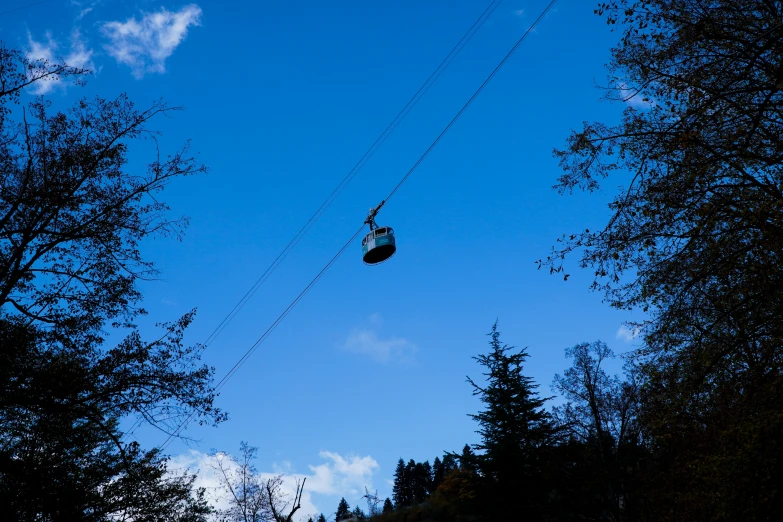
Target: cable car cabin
x,y
378,245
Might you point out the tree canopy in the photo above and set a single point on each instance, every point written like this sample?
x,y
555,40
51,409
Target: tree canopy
x,y
694,239
72,218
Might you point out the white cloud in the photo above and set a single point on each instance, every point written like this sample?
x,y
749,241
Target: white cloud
x,y
626,334
40,50
365,341
143,45
207,477
337,476
342,476
78,56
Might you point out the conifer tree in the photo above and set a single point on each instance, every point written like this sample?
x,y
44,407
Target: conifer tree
x,y
387,505
410,477
515,429
421,480
426,476
401,489
449,464
468,460
343,510
438,473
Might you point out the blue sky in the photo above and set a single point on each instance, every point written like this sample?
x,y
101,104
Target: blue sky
x,y
281,99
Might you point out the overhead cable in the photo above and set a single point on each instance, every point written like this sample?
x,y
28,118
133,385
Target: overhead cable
x,y
433,77
356,234
15,9
369,153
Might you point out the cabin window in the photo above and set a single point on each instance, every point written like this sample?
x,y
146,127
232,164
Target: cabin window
x,y
380,232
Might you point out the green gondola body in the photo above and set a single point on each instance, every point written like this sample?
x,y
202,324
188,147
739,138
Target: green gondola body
x,y
378,246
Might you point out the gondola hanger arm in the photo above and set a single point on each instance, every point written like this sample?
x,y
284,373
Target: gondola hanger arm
x,y
371,215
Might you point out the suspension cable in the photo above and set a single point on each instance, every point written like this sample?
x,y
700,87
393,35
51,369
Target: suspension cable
x,y
368,154
442,66
356,234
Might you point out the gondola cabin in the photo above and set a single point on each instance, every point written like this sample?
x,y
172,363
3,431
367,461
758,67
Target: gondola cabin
x,y
378,245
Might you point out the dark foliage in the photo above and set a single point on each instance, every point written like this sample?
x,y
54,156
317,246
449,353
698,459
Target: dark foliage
x,y
515,432
72,217
62,454
695,240
343,510
388,507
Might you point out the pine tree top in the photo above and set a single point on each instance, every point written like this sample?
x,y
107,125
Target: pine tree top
x,y
513,418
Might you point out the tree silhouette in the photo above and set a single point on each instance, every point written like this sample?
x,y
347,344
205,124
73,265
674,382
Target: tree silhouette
x,y
514,429
72,216
343,510
694,239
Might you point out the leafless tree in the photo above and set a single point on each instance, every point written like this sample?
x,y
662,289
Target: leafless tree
x,y
252,498
278,501
239,479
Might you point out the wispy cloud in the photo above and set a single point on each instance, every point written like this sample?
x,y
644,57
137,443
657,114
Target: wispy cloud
x,y
144,45
626,334
84,7
519,12
338,475
78,55
365,341
84,12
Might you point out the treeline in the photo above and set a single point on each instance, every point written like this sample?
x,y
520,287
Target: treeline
x,y
415,481
600,456
585,460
